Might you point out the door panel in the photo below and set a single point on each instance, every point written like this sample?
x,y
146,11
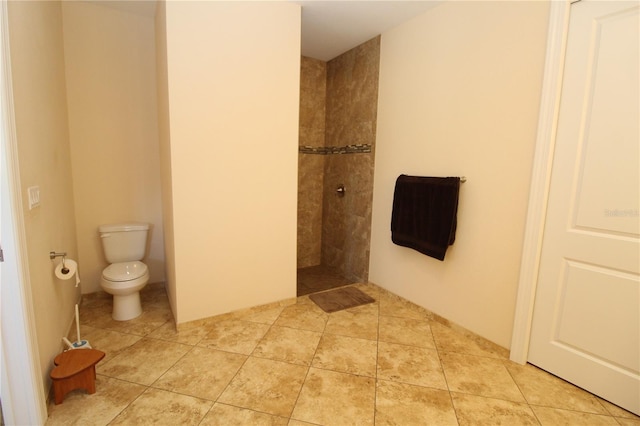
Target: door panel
x,y
586,322
610,119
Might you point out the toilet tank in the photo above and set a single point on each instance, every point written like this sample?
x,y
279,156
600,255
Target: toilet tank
x,y
124,242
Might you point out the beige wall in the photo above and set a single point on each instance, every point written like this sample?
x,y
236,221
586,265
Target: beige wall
x,y
165,152
233,94
459,95
35,32
110,66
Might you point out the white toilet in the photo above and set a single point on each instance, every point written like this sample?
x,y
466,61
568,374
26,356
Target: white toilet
x,y
124,247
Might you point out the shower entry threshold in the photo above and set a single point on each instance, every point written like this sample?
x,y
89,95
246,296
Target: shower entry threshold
x,y
314,279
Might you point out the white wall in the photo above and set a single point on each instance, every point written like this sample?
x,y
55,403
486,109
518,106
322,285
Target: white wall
x,y
110,65
165,152
233,96
459,95
37,65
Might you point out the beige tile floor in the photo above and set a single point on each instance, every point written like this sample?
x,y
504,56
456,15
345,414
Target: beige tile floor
x,y
385,363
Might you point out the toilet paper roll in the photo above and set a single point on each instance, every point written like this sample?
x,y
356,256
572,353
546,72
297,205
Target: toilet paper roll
x,y
72,266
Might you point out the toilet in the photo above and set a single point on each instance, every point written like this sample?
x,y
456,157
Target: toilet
x,y
124,247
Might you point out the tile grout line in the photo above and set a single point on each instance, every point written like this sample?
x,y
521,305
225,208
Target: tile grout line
x,y
324,328
130,403
256,346
435,344
377,381
236,373
504,364
173,391
151,386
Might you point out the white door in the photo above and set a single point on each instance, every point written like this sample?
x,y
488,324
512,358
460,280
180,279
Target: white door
x,y
586,320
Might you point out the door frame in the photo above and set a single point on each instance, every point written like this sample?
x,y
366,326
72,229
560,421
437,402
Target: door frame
x,y
22,391
540,177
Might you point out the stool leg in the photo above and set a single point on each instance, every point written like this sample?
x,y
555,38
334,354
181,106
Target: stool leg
x,y
58,392
85,379
91,380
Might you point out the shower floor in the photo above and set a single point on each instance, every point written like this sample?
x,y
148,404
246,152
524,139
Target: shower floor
x,y
319,278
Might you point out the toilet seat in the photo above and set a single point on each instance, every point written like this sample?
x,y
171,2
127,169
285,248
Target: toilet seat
x,y
124,271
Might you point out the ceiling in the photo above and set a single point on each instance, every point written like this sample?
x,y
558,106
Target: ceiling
x,y
329,28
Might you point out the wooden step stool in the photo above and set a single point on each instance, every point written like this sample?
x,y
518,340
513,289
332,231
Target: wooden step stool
x,y
75,369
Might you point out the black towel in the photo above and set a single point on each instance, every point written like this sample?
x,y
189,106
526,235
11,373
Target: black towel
x,y
424,213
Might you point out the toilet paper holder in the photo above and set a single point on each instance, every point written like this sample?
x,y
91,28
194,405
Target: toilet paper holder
x,y
53,255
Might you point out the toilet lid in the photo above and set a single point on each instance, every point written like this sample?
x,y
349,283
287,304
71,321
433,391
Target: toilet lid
x,y
124,271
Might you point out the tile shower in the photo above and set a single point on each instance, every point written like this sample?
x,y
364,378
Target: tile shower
x,y
338,108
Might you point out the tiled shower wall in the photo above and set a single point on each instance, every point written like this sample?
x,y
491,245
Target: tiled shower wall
x,y
345,147
352,100
313,78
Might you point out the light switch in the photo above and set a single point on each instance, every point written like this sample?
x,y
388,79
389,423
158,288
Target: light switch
x,y
34,196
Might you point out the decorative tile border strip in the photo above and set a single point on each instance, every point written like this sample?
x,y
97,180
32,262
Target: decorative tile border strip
x,y
328,150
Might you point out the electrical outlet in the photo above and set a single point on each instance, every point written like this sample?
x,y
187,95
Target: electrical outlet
x,y
34,196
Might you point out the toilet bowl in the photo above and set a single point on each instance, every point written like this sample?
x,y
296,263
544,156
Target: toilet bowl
x,y
124,281
124,247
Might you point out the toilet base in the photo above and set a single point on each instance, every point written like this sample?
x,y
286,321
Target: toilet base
x,y
126,307
126,296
